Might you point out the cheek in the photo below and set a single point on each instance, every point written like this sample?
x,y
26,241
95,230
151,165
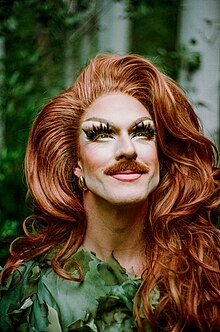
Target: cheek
x,y
93,159
148,153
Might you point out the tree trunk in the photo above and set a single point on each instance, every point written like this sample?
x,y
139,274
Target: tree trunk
x,y
114,27
199,39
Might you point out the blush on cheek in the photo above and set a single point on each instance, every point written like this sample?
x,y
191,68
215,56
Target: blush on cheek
x,y
92,163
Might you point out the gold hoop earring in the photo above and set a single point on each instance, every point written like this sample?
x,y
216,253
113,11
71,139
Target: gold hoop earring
x,y
82,184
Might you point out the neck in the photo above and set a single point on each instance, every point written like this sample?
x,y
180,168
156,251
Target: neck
x,y
117,230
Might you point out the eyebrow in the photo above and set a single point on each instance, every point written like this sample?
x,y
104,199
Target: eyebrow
x,y
101,120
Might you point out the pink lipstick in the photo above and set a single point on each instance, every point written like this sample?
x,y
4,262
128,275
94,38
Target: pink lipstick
x,y
126,176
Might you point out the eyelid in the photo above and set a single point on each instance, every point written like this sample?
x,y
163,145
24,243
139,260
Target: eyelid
x,y
91,126
95,132
144,122
144,130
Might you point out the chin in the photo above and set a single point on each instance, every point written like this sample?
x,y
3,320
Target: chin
x,y
121,201
128,196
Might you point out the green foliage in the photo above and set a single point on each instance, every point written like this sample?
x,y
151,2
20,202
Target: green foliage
x,y
154,32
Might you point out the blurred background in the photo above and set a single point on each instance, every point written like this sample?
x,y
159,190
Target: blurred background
x,y
44,45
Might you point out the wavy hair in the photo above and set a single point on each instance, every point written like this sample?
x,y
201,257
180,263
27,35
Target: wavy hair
x,y
182,244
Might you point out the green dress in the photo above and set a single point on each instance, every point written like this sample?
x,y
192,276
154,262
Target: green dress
x,y
35,298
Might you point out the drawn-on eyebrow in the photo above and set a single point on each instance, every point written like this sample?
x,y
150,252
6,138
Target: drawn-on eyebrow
x,y
140,120
100,120
115,127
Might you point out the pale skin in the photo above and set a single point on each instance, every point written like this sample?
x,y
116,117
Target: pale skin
x,y
116,204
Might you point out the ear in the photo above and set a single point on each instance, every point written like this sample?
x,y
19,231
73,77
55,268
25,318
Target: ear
x,y
78,170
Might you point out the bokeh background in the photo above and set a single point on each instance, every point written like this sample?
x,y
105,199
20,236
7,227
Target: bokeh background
x,y
44,45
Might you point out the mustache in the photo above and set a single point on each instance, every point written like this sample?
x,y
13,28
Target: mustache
x,y
126,165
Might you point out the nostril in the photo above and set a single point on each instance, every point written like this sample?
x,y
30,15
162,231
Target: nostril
x,y
126,155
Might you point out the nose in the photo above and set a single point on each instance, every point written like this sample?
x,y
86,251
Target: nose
x,y
125,148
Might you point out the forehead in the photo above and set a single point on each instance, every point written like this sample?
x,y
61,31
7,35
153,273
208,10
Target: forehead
x,y
118,108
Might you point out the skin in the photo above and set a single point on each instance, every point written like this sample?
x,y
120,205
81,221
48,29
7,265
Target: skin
x,y
116,202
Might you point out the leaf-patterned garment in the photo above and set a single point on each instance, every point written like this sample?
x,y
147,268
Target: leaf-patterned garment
x,y
35,298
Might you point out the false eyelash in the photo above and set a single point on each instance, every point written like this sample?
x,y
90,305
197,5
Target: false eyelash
x,y
143,128
95,132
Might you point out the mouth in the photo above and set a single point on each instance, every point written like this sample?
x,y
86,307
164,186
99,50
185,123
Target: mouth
x,y
127,176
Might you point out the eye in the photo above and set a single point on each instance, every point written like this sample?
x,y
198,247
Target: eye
x,y
145,130
99,132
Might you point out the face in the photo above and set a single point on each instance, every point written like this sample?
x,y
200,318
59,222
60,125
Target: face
x,y
117,150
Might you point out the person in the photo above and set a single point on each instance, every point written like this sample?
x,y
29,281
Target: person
x,y
125,193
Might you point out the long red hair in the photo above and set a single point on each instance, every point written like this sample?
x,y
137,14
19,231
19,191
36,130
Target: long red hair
x,y
182,244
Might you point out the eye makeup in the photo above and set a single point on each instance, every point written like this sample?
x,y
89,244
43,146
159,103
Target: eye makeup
x,y
97,130
145,129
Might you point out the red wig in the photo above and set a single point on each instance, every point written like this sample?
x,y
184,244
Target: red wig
x,y
182,244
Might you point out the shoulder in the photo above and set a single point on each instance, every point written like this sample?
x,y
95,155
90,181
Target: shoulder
x,y
19,277
22,304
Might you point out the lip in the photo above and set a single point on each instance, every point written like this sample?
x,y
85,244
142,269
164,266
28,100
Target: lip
x,y
127,176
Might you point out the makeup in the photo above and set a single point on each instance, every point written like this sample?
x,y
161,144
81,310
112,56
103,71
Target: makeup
x,y
144,129
99,130
118,150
